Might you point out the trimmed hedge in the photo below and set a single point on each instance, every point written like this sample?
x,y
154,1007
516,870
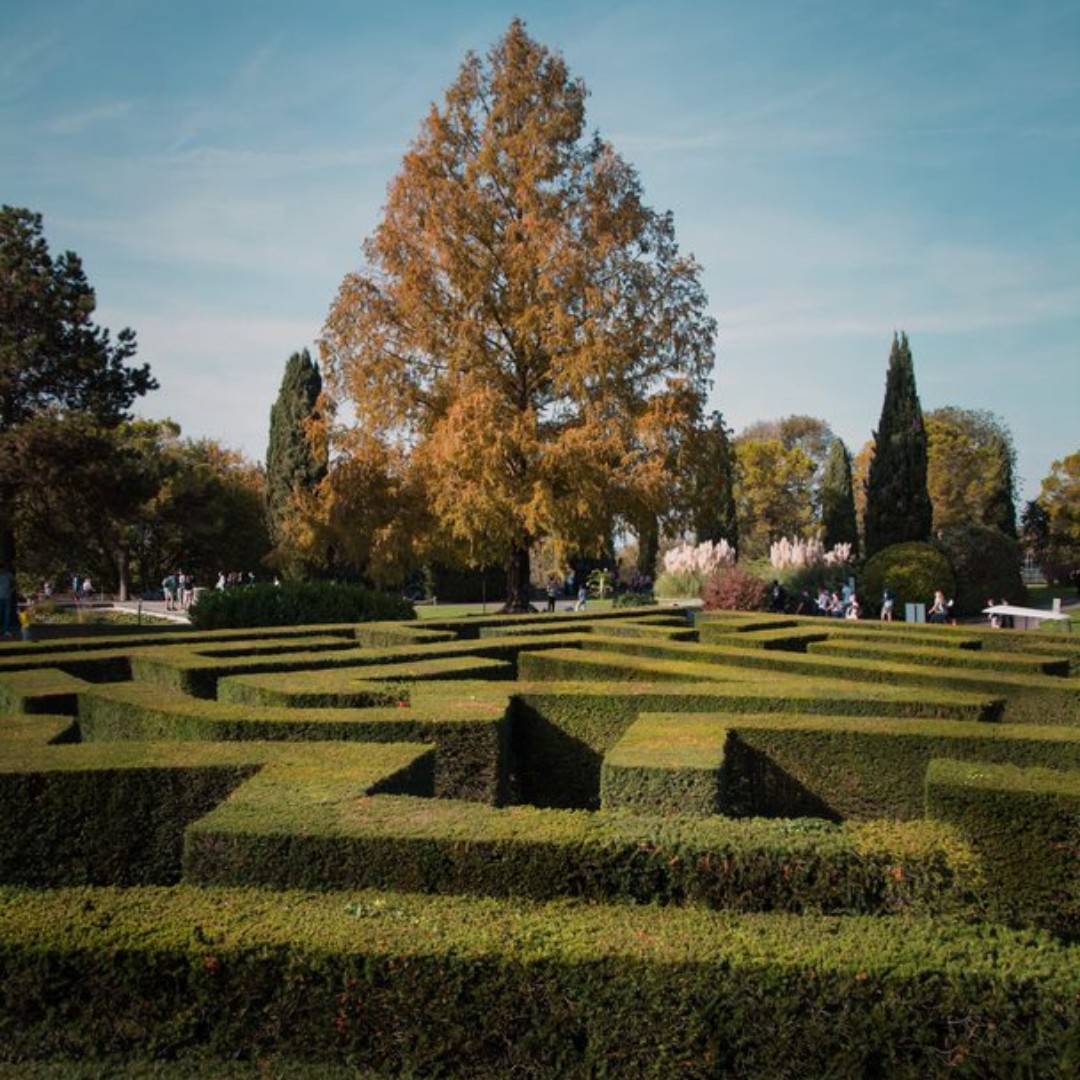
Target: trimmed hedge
x,y
426,986
380,684
1021,663
295,603
560,732
468,726
816,766
666,765
1036,699
1025,824
592,985
116,814
440,846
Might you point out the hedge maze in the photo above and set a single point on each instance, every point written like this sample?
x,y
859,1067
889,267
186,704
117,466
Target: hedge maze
x,y
565,845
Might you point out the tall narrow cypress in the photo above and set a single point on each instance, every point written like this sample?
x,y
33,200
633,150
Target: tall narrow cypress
x,y
291,461
713,510
839,523
898,505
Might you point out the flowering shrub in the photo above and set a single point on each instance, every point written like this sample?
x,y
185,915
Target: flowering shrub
x,y
702,558
686,567
800,554
735,589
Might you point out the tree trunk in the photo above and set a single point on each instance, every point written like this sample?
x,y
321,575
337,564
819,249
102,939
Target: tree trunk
x,y
7,527
648,546
517,582
123,566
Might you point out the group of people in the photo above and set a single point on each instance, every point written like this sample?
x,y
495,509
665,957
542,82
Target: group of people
x,y
840,603
234,578
178,589
553,587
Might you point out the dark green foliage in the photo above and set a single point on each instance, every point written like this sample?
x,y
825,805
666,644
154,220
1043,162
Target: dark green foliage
x,y
53,358
987,566
1025,824
566,939
51,352
630,599
295,603
104,826
838,520
898,507
912,571
407,844
460,986
712,485
292,462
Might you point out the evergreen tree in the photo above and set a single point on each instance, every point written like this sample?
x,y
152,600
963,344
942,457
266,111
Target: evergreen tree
x,y
898,505
293,463
55,361
713,513
838,500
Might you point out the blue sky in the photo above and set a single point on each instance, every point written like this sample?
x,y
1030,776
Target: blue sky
x,y
840,169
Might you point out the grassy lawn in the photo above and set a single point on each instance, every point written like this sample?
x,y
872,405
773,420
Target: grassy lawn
x,y
453,611
97,617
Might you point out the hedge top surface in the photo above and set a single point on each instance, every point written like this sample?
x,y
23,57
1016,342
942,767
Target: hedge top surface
x,y
215,921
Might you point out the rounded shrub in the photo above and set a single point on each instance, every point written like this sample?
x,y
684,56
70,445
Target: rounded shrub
x,y
911,571
986,563
295,603
735,589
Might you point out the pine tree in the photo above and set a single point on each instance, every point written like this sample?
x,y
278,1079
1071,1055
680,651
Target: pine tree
x,y
839,523
898,505
292,463
55,361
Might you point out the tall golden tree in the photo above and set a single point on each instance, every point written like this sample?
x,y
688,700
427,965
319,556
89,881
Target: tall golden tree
x,y
525,328
971,469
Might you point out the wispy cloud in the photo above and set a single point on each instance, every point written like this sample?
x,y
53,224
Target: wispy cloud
x,y
76,123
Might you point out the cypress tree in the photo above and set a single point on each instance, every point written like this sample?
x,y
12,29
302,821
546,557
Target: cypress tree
x,y
712,482
291,461
838,500
898,505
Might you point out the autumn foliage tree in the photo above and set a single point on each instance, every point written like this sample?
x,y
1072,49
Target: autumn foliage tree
x,y
525,331
971,473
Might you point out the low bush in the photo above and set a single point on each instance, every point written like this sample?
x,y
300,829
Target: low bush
x,y
735,589
911,571
296,603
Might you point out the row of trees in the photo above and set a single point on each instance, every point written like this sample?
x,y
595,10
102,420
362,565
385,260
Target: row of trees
x,y
527,356
85,488
522,363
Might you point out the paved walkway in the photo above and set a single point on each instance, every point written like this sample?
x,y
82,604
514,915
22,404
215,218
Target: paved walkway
x,y
156,608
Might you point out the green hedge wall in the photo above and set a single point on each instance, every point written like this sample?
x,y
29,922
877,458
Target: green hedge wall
x,y
1036,699
443,846
1025,823
424,986
469,728
860,768
295,603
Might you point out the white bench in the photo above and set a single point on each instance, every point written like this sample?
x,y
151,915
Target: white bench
x,y
1025,617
